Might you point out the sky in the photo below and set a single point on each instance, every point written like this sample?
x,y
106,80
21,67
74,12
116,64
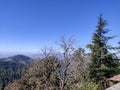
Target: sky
x,y
29,25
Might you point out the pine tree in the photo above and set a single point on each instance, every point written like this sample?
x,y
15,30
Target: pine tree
x,y
102,64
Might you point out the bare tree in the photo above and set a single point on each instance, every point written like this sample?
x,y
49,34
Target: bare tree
x,y
46,52
67,48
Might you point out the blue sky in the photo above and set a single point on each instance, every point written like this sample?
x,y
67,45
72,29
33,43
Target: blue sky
x,y
29,25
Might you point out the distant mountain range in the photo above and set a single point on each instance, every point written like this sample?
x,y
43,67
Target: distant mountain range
x,y
17,58
9,54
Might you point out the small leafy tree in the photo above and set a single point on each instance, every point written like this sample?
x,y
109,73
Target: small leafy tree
x,y
79,69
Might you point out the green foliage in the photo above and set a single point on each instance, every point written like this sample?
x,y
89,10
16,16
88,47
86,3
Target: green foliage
x,y
102,64
9,71
86,86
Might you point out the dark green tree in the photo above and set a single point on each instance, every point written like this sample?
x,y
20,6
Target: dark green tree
x,y
103,64
10,71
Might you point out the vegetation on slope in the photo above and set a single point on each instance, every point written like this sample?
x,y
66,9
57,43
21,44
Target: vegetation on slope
x,y
11,68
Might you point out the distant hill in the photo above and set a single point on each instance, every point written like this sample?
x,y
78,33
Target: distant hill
x,y
11,68
18,59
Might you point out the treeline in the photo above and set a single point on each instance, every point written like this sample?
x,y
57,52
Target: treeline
x,y
72,68
11,69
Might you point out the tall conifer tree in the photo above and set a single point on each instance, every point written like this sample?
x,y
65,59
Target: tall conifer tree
x,y
102,64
